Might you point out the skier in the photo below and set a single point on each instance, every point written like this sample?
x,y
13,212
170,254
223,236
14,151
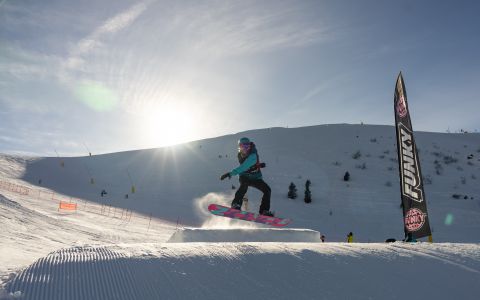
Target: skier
x,y
249,175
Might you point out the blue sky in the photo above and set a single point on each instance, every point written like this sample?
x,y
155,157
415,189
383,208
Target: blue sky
x,y
119,75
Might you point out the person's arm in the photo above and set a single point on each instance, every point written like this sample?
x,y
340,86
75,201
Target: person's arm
x,y
246,165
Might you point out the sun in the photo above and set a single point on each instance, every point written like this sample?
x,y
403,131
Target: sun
x,y
167,125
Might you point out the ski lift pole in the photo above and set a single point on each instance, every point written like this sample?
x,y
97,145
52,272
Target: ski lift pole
x,y
61,161
88,150
131,182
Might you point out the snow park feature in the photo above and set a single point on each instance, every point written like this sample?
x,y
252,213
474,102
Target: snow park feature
x,y
242,235
161,242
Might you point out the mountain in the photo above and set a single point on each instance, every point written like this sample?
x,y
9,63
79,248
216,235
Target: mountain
x,y
170,181
160,241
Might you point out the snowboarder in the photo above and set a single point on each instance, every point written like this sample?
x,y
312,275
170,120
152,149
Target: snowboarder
x,y
249,175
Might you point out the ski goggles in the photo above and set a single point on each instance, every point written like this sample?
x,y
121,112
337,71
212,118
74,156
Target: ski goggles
x,y
244,147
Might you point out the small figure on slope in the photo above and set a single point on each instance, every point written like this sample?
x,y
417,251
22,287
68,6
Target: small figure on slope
x,y
350,237
249,175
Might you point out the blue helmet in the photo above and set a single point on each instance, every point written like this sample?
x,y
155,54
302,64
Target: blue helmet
x,y
243,141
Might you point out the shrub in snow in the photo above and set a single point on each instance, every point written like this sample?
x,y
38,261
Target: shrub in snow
x,y
357,155
292,191
308,194
388,183
346,177
463,180
361,167
438,167
427,179
448,159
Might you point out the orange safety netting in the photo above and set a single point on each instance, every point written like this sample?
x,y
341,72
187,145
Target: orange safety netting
x,y
68,206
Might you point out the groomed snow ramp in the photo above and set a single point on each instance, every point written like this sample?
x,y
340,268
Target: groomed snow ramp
x,y
238,235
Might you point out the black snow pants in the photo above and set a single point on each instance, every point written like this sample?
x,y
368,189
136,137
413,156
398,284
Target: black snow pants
x,y
258,184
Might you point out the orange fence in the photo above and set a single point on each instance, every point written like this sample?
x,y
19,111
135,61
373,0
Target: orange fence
x,y
67,206
16,188
74,204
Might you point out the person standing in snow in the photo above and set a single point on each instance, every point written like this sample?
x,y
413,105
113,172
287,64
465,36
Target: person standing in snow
x,y
350,237
249,175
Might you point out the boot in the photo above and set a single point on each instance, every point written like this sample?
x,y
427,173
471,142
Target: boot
x,y
267,213
236,205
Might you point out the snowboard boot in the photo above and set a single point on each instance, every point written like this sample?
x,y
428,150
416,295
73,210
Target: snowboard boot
x,y
267,213
236,205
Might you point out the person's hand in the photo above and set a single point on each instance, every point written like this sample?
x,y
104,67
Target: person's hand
x,y
225,176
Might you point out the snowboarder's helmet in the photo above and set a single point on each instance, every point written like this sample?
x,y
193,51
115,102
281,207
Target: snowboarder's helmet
x,y
243,141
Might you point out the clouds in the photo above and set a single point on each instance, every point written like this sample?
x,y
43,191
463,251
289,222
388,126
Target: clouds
x,y
244,27
233,65
110,26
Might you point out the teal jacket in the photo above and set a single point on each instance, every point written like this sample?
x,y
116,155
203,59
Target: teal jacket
x,y
245,168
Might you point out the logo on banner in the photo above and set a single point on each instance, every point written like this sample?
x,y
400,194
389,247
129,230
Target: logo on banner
x,y
409,167
414,219
401,107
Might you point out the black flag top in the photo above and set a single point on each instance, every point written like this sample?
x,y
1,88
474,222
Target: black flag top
x,y
415,215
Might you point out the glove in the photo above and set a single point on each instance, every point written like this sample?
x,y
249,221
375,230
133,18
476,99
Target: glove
x,y
225,176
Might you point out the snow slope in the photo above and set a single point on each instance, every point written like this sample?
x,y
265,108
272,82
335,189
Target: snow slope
x,y
254,271
116,247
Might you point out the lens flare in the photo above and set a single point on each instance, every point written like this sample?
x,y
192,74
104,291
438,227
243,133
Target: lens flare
x,y
449,219
96,96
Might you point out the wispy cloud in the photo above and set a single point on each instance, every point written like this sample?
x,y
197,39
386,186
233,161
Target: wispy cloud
x,y
21,64
110,26
246,27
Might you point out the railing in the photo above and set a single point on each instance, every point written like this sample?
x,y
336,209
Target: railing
x,y
61,202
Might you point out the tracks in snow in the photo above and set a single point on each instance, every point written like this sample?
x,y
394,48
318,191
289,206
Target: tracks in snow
x,y
249,270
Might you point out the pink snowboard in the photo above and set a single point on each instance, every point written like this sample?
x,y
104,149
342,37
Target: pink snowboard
x,y
228,212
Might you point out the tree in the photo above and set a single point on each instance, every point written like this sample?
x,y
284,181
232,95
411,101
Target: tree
x,y
308,194
292,191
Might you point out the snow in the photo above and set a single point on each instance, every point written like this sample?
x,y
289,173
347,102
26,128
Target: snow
x,y
162,243
190,235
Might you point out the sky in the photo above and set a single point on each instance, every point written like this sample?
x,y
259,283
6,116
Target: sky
x,y
107,76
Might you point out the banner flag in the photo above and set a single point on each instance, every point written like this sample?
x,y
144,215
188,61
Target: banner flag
x,y
415,217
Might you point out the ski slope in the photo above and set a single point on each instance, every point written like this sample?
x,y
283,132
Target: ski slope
x,y
253,271
161,242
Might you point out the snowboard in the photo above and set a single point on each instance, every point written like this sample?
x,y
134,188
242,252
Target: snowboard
x,y
228,212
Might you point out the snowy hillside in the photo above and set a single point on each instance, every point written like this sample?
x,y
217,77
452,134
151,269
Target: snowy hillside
x,y
119,240
173,182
